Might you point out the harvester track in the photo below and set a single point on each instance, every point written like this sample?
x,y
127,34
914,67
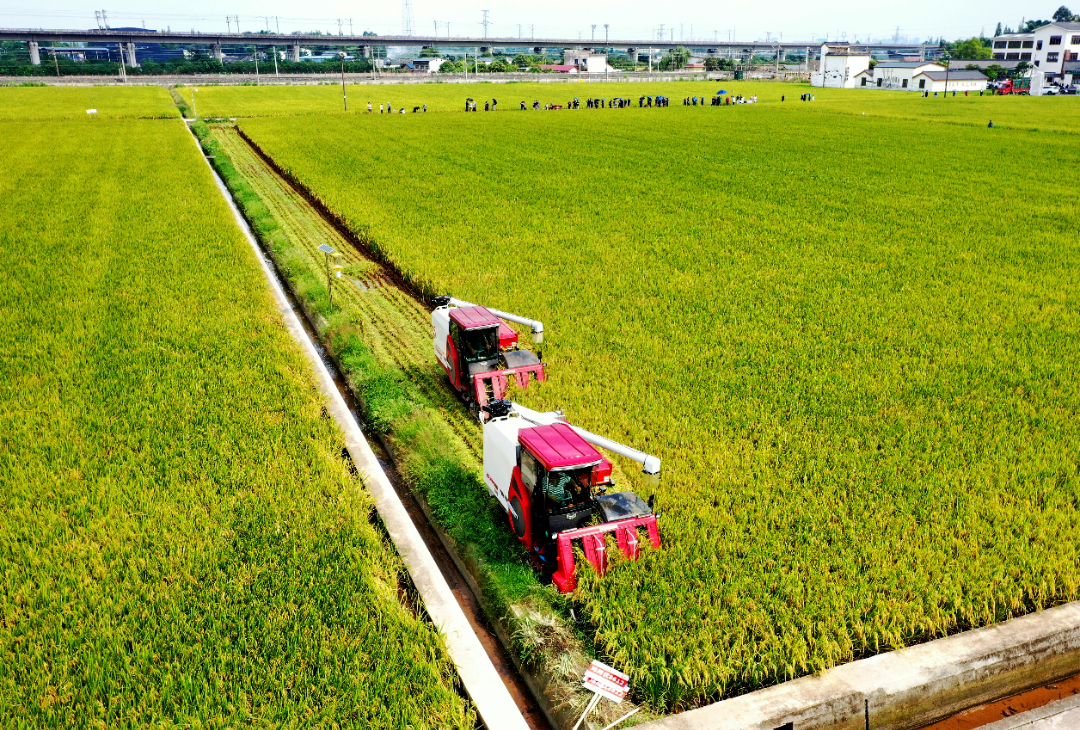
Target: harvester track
x,y
395,325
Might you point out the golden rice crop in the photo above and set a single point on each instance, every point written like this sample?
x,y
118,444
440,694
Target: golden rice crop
x,y
859,373
181,542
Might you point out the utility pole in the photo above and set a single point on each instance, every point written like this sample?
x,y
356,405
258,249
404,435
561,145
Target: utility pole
x,y
277,24
485,23
275,60
605,34
344,95
255,55
56,63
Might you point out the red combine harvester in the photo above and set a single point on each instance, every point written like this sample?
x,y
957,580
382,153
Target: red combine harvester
x,y
552,482
480,353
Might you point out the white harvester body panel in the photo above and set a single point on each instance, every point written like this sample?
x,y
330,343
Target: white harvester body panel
x,y
501,454
440,322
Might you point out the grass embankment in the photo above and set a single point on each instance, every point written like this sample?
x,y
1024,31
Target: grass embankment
x,y
181,541
381,336
1061,114
71,102
864,392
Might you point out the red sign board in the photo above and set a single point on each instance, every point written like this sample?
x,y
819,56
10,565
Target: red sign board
x,y
606,681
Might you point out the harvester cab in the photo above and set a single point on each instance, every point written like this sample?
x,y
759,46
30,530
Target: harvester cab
x,y
553,483
480,352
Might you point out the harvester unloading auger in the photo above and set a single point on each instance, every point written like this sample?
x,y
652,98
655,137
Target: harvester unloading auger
x,y
480,353
552,482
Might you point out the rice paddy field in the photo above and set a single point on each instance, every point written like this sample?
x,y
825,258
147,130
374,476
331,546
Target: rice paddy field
x,y
851,338
72,102
181,540
1059,114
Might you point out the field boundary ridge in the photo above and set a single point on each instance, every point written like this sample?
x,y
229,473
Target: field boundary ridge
x,y
910,687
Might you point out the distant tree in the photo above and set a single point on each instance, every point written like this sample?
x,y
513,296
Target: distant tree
x,y
997,31
1031,25
430,52
1021,68
972,48
995,71
719,64
1063,15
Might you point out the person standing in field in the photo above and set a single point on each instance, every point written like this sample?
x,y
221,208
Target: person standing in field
x,y
523,106
380,109
487,106
425,108
389,109
494,103
369,107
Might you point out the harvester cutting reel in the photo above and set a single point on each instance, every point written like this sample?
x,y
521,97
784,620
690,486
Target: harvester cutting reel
x,y
555,486
480,353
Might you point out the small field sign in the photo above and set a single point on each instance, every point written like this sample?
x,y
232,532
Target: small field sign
x,y
606,681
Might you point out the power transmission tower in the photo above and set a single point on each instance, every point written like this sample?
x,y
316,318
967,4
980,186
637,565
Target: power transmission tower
x,y
519,31
661,36
896,36
485,23
350,27
532,33
605,33
100,25
593,37
277,24
105,19
340,22
406,17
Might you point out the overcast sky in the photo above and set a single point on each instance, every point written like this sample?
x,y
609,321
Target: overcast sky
x,y
788,19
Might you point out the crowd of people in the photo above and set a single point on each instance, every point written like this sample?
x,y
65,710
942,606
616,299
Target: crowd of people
x,y
644,101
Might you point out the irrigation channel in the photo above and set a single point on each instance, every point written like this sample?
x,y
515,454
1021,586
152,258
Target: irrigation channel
x,y
395,328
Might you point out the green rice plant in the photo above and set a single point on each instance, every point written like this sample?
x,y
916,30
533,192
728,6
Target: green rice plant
x,y
860,377
182,542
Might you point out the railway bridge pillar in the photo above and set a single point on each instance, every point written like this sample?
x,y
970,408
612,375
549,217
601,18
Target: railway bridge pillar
x,y
132,62
35,53
294,53
216,53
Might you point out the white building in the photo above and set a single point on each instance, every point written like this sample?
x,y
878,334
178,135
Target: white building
x,y
945,81
427,64
586,61
893,75
839,66
1055,45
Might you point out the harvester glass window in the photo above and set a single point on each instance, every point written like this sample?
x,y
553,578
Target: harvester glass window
x,y
563,489
529,469
480,344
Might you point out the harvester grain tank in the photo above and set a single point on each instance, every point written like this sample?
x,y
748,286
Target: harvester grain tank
x,y
555,486
480,352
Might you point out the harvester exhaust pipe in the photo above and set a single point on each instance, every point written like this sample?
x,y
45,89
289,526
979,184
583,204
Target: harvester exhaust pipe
x,y
650,465
537,327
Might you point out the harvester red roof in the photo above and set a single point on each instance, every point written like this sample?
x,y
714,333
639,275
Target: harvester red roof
x,y
472,317
558,446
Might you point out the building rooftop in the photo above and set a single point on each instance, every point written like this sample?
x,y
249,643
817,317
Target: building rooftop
x,y
954,75
907,64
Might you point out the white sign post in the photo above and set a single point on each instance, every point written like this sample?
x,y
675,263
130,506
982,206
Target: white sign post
x,y
604,681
